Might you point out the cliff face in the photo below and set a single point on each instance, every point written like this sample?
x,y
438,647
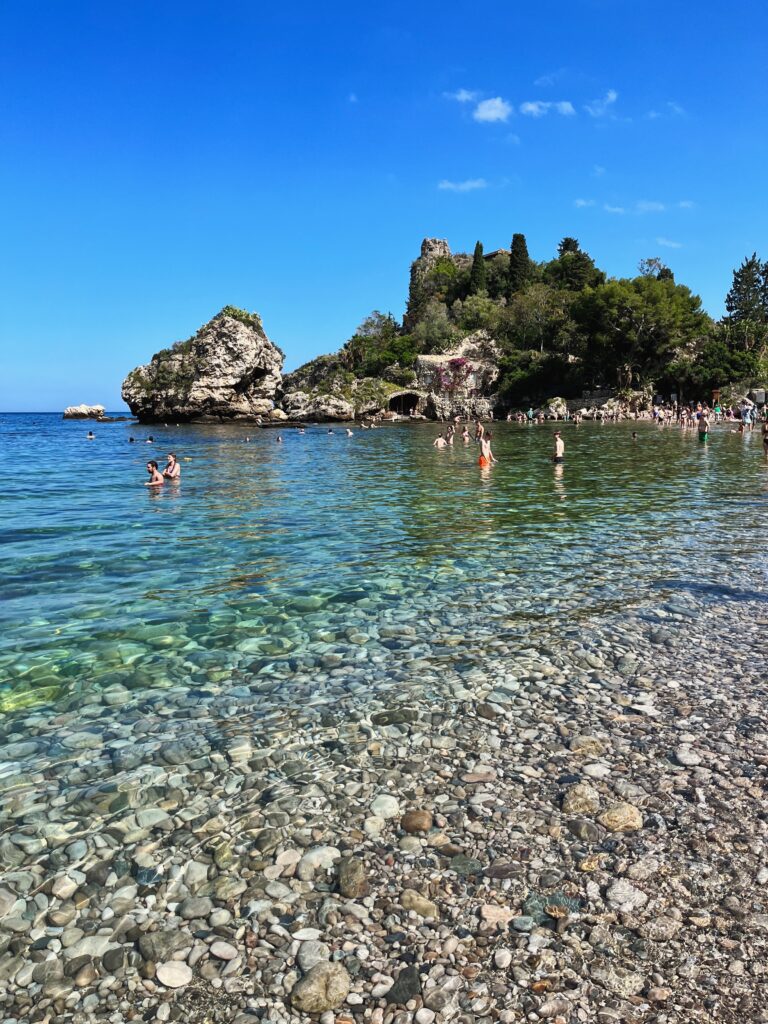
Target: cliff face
x,y
459,382
228,370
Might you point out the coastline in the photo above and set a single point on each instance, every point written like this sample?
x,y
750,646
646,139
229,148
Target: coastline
x,y
211,834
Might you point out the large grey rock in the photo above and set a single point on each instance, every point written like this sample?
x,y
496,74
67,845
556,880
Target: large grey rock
x,y
302,405
228,370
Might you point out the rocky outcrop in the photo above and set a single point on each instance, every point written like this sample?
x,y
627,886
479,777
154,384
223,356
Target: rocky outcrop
x,y
84,412
459,382
324,390
301,405
228,370
429,272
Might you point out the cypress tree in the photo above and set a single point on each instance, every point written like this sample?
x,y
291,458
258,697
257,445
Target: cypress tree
x,y
477,274
519,265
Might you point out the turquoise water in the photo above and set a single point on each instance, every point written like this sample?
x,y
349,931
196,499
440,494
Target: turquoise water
x,y
269,556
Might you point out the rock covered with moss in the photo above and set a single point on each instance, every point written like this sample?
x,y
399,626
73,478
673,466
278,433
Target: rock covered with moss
x,y
323,389
228,370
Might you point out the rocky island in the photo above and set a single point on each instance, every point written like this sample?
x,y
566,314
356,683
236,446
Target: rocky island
x,y
228,370
482,334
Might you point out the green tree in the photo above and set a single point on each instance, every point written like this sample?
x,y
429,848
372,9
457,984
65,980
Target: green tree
x,y
747,305
717,364
372,345
434,332
536,316
478,311
573,269
568,245
638,328
653,266
477,274
520,265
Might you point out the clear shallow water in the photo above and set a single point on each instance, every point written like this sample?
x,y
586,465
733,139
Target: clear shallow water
x,y
268,554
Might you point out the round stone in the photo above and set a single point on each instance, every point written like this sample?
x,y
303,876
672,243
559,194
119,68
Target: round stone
x,y
416,821
223,950
174,974
385,806
621,817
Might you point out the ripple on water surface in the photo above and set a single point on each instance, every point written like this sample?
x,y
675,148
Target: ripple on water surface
x,y
270,551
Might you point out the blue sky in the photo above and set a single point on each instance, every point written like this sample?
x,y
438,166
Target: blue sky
x,y
160,160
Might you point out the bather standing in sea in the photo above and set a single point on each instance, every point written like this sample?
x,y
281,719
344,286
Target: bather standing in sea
x,y
155,476
486,455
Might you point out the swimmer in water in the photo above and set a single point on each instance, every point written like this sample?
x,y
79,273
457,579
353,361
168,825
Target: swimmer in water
x,y
465,436
634,435
91,436
559,447
486,455
172,469
439,442
349,433
155,476
150,439
279,439
131,440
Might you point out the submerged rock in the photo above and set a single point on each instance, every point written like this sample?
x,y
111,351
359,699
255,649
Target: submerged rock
x,y
228,370
324,987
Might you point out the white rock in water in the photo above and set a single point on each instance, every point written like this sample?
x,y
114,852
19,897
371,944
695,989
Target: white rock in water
x,y
319,857
84,412
622,895
385,806
502,958
174,974
223,950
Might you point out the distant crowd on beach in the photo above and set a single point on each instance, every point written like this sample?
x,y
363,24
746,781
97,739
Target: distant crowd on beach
x,y
700,417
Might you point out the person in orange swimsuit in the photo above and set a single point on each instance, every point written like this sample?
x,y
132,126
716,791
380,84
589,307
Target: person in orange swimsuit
x,y
486,455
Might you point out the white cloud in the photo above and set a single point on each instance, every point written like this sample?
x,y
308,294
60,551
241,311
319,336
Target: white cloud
x,y
513,139
538,108
549,79
352,98
686,204
670,108
462,95
599,108
535,109
613,209
668,243
649,206
598,171
581,203
470,185
495,109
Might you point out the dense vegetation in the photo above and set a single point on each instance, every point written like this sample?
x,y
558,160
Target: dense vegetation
x,y
564,326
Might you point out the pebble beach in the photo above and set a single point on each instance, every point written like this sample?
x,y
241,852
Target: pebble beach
x,y
420,796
